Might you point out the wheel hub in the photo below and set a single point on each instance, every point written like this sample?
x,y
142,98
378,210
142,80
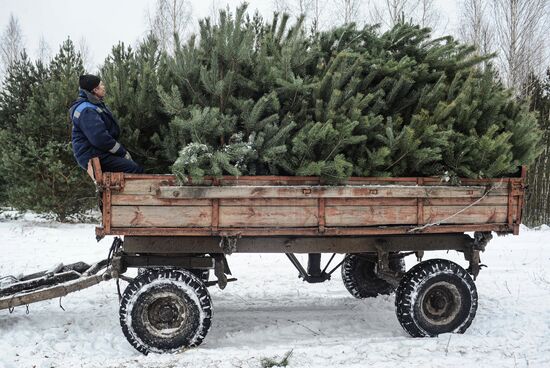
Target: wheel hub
x,y
165,315
441,303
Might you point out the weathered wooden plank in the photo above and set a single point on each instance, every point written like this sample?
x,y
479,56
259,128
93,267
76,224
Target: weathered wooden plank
x,y
497,200
370,215
302,231
321,214
276,180
215,213
276,216
420,205
268,180
469,182
142,183
510,209
107,205
313,180
286,202
519,208
162,216
94,170
337,202
153,200
472,215
175,192
145,185
291,180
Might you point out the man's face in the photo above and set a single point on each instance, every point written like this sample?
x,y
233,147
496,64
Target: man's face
x,y
99,91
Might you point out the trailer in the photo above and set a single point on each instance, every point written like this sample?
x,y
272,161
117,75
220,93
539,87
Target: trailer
x,y
176,234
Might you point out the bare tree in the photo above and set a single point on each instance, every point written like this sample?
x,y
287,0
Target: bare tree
x,y
215,10
11,43
427,14
281,6
348,11
423,12
391,12
522,27
317,15
475,28
170,18
294,7
312,10
85,54
44,52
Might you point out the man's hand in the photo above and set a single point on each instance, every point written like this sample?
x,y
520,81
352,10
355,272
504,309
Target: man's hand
x,y
128,156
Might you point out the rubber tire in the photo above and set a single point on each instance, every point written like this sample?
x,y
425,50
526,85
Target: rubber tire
x,y
184,287
203,275
412,289
360,279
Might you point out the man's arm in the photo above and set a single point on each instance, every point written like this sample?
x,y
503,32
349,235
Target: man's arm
x,y
94,129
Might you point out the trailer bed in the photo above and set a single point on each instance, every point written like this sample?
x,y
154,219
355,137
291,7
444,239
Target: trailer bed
x,y
156,205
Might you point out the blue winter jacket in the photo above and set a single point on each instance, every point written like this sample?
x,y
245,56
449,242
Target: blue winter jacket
x,y
95,130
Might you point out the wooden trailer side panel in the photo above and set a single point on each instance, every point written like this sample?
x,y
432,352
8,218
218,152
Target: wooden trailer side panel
x,y
256,206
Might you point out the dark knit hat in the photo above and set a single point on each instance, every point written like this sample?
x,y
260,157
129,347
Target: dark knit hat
x,y
88,82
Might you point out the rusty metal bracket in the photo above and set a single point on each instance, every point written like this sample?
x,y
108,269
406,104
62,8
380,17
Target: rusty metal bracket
x,y
475,263
384,271
99,233
114,181
219,270
481,239
229,244
472,255
517,187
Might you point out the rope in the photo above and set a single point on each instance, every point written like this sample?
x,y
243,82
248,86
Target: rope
x,y
487,191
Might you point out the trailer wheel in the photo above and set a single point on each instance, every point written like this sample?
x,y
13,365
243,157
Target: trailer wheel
x,y
165,310
360,279
436,296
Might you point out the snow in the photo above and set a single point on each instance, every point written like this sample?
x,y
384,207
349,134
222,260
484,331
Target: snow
x,y
269,312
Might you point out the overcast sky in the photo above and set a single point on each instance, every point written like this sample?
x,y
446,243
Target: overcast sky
x,y
103,23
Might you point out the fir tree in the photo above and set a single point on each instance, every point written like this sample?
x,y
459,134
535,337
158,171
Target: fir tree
x,y
17,86
131,79
41,172
263,98
537,206
222,101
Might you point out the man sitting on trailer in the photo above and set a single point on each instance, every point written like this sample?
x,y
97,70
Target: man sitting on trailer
x,y
96,131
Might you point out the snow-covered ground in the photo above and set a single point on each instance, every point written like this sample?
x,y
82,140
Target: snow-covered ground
x,y
270,312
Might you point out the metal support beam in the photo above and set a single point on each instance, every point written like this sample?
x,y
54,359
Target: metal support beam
x,y
168,261
302,244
